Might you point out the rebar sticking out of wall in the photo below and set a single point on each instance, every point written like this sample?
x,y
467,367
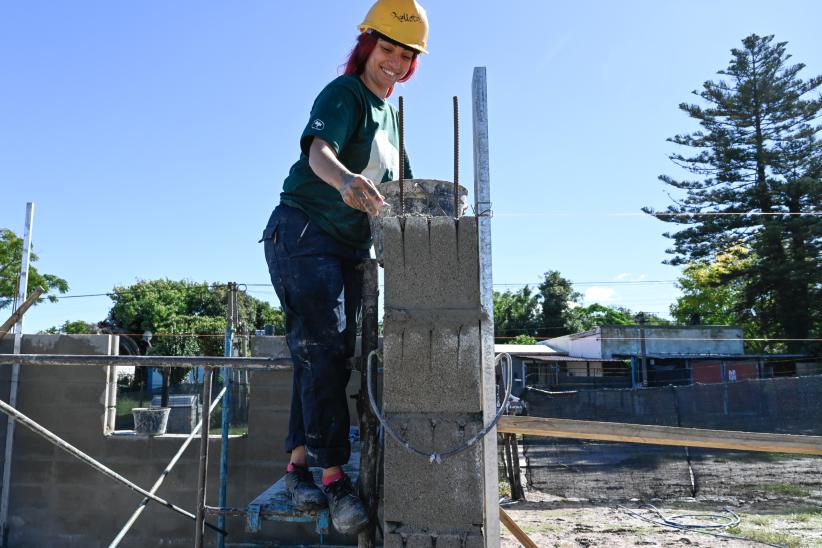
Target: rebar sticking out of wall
x,y
402,156
456,157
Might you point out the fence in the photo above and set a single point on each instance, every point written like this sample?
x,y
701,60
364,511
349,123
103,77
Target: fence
x,y
612,471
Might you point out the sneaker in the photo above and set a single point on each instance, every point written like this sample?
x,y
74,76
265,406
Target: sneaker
x,y
305,495
347,511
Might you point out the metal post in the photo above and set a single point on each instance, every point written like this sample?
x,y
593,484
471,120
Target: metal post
x,y
642,354
22,288
164,474
231,297
208,372
482,206
369,444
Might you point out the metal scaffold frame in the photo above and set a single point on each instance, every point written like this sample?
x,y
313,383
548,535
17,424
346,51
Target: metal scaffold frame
x,y
207,363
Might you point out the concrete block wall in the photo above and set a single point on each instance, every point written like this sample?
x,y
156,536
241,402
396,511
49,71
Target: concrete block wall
x,y
57,501
432,384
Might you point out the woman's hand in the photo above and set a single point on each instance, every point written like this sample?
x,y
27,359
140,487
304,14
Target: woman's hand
x,y
356,191
360,193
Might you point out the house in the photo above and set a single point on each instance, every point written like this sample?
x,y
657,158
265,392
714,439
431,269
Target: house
x,y
678,355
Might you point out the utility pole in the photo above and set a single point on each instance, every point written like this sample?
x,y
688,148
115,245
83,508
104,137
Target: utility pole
x,y
22,286
642,355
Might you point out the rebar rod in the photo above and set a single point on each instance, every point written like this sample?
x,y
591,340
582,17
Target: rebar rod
x,y
456,157
401,117
203,472
164,474
282,364
100,467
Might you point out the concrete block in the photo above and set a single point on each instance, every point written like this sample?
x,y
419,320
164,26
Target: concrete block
x,y
420,494
435,369
468,539
270,346
464,539
431,263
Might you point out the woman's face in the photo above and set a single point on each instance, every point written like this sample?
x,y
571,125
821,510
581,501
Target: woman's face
x,y
386,65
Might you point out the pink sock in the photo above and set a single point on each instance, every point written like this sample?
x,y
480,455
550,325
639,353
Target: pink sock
x,y
291,466
332,478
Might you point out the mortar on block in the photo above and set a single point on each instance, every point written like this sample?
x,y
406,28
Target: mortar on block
x,y
421,198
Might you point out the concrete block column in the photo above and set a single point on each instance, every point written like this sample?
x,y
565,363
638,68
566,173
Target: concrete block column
x,y
432,384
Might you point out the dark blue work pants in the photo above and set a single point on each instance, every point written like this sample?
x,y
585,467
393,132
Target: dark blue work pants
x,y
320,289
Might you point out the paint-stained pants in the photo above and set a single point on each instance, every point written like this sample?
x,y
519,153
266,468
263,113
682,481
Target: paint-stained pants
x,y
320,289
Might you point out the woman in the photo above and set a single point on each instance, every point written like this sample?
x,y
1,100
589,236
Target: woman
x,y
318,235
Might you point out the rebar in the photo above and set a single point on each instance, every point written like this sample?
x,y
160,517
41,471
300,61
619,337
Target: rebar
x,y
401,117
456,157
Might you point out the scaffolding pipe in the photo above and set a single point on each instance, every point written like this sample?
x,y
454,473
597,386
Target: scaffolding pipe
x,y
22,289
163,475
199,531
280,364
231,297
70,449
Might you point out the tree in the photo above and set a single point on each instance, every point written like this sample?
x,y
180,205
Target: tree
x,y
714,293
163,306
185,318
11,258
78,327
759,173
523,339
586,318
557,300
516,313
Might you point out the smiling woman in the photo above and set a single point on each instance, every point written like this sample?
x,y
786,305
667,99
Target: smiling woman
x,y
319,234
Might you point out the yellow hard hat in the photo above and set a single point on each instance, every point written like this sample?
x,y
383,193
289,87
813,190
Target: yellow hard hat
x,y
403,21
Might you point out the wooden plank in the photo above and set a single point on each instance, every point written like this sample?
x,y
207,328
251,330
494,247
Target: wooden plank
x,y
518,533
662,435
17,314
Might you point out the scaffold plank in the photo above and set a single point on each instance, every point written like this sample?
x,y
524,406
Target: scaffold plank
x,y
662,435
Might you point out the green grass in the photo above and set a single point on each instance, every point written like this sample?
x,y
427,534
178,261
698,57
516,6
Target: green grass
x,y
770,537
532,528
804,517
788,489
633,530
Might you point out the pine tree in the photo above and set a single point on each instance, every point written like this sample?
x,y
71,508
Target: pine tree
x,y
759,168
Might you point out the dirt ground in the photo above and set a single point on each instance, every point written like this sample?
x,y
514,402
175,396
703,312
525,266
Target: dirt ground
x,y
565,523
581,496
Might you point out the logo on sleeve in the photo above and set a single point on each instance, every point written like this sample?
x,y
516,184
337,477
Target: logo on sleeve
x,y
318,124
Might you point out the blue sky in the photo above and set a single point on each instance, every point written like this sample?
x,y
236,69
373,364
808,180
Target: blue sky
x,y
154,136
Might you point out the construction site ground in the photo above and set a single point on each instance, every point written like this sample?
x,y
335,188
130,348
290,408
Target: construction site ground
x,y
778,499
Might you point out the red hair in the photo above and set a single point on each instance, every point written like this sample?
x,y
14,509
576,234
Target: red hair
x,y
366,42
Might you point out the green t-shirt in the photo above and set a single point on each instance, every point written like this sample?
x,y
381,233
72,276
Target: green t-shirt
x,y
364,131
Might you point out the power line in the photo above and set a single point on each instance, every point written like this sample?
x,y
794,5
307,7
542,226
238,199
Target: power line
x,y
662,214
